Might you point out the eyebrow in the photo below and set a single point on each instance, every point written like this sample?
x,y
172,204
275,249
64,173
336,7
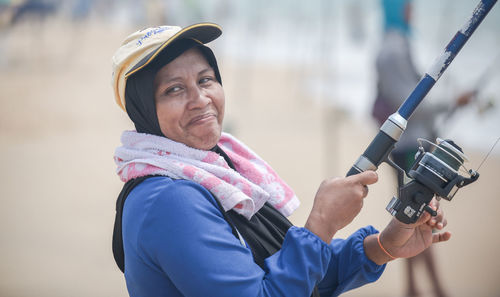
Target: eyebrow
x,y
168,80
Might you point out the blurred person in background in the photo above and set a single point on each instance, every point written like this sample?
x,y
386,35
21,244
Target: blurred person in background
x,y
201,214
31,9
5,17
397,77
14,12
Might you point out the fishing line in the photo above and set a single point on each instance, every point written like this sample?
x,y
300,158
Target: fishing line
x,y
488,154
456,161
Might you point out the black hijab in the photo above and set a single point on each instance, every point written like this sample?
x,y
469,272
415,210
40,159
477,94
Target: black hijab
x,y
139,91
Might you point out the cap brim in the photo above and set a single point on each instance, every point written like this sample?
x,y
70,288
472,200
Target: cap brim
x,y
202,32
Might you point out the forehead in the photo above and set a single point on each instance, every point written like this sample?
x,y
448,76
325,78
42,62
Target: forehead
x,y
191,59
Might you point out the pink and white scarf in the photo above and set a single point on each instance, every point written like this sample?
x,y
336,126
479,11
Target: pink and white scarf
x,y
245,190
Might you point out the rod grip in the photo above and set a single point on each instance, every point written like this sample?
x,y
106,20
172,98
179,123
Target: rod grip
x,y
354,170
375,153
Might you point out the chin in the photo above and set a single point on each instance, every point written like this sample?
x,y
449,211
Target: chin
x,y
207,141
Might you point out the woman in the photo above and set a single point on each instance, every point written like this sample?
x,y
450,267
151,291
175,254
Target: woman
x,y
203,215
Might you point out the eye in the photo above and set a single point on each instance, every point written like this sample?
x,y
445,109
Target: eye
x,y
173,90
206,80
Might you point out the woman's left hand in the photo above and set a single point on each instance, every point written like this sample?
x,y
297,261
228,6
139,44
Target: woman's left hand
x,y
407,240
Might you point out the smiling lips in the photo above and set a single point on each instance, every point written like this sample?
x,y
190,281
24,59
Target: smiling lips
x,y
203,118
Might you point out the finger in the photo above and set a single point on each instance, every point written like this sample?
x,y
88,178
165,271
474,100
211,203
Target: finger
x,y
438,218
365,178
439,221
441,225
439,237
434,204
365,191
424,218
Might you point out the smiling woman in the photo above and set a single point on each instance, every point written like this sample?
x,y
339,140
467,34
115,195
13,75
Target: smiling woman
x,y
190,101
201,214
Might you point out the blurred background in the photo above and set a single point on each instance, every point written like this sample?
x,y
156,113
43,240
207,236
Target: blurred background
x,y
300,81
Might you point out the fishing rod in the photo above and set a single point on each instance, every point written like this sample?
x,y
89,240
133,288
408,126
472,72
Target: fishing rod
x,y
435,172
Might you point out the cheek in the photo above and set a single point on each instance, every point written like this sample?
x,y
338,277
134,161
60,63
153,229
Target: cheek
x,y
168,115
220,102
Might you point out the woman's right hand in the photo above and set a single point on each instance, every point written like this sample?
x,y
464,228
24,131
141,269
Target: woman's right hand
x,y
337,202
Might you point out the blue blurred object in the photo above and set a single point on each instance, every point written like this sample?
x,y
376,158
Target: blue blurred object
x,y
81,9
33,9
396,15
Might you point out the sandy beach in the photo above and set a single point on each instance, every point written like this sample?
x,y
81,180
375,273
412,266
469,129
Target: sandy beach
x,y
59,126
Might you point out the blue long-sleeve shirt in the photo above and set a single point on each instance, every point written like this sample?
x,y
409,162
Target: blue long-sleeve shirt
x,y
177,243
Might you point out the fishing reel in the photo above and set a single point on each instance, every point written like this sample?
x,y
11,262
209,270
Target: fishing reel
x,y
434,172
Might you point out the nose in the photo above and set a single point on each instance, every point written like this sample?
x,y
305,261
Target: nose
x,y
199,98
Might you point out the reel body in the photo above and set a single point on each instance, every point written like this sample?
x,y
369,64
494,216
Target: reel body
x,y
434,172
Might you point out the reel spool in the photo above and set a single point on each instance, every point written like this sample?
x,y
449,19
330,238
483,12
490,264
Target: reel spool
x,y
439,168
435,172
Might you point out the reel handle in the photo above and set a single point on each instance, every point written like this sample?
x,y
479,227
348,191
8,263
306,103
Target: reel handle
x,y
431,211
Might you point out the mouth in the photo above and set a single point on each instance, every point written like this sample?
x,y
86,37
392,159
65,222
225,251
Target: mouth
x,y
203,118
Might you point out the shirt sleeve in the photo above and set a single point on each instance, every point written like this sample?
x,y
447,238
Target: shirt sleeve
x,y
349,267
185,236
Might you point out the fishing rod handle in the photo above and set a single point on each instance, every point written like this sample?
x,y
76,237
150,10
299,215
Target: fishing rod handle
x,y
380,147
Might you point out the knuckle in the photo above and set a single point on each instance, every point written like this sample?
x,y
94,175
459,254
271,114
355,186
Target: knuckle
x,y
336,181
361,192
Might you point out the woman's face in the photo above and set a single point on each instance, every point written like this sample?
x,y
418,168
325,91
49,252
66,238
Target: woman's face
x,y
190,101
